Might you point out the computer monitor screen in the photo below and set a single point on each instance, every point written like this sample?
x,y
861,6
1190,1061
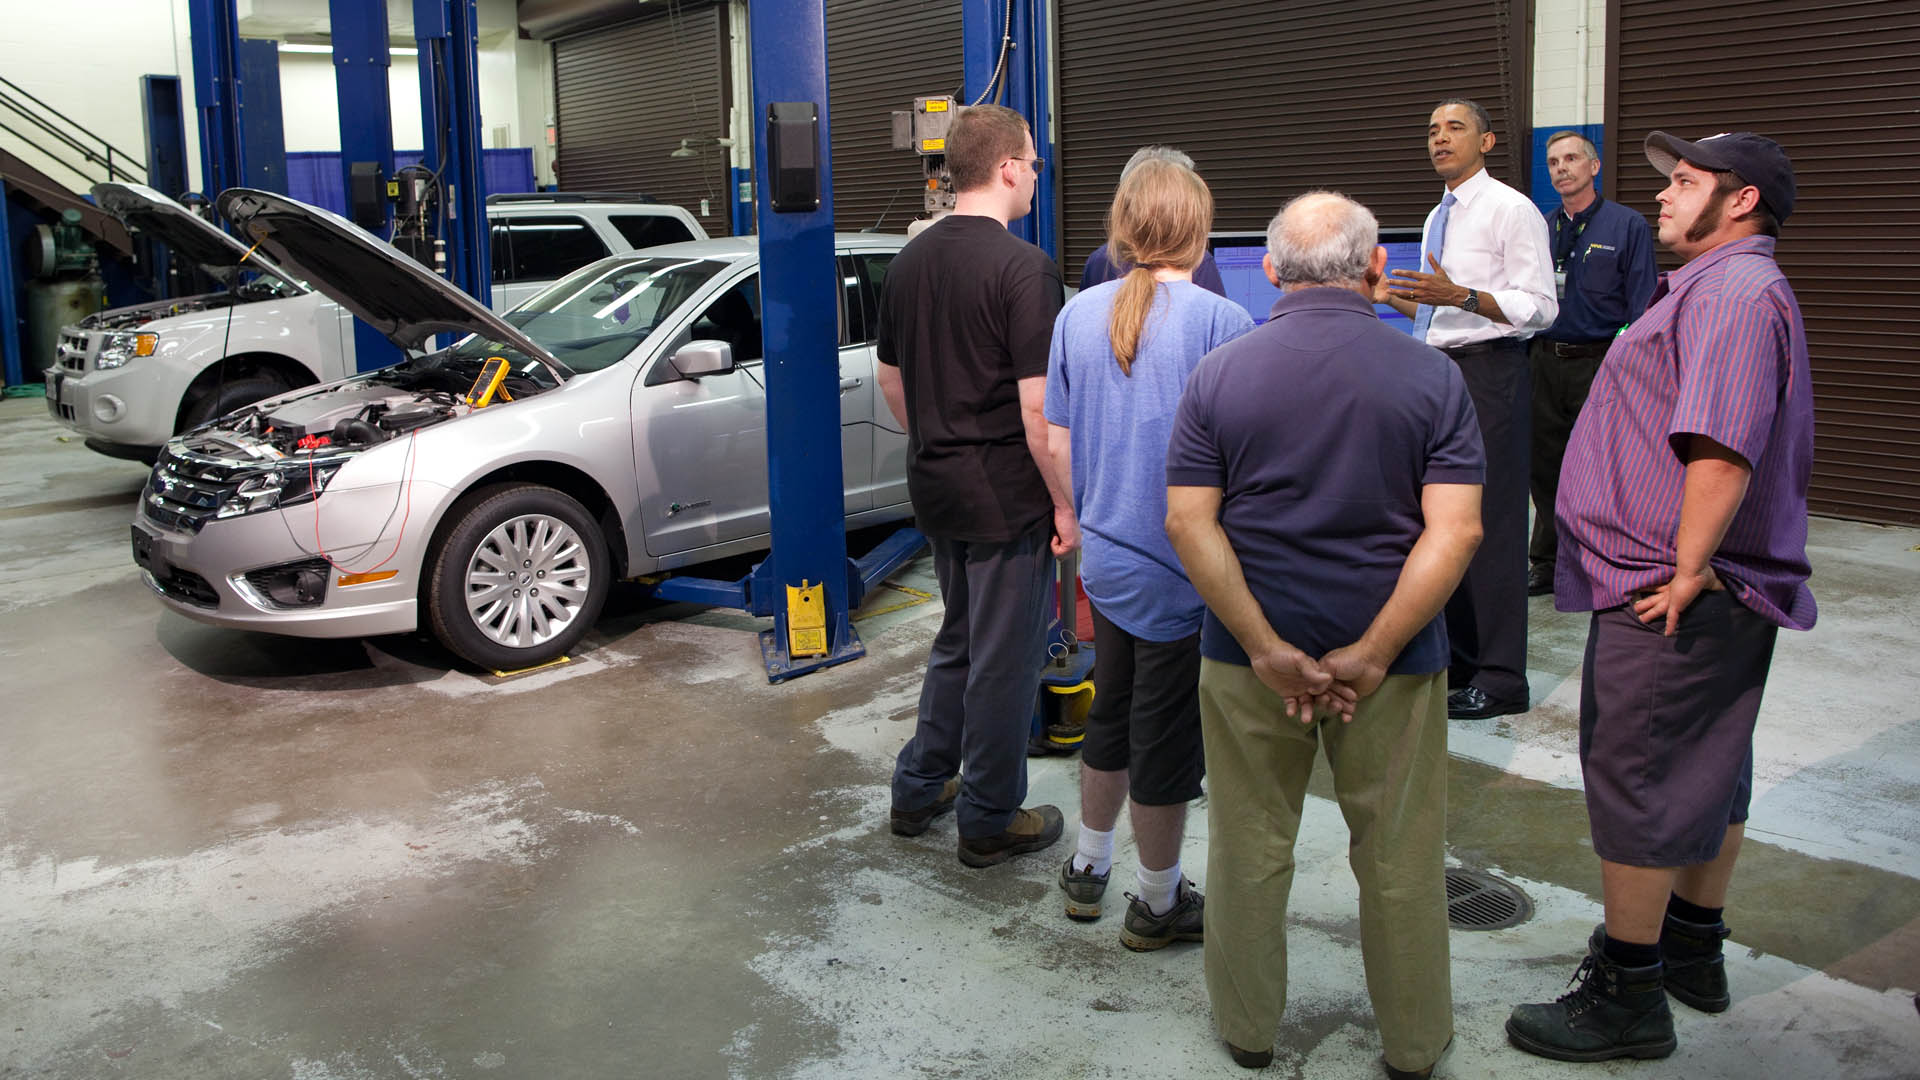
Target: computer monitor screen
x,y
1238,256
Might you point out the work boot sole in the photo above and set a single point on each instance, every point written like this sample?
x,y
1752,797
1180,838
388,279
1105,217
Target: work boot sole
x,y
1139,943
981,859
1644,1051
1704,1004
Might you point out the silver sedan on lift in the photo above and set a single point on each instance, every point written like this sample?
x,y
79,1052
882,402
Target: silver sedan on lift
x,y
622,433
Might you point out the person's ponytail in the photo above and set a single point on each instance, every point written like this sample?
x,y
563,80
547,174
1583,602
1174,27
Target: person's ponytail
x,y
1159,219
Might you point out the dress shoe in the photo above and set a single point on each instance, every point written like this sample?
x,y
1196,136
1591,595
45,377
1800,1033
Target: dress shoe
x,y
1250,1059
1472,703
1540,579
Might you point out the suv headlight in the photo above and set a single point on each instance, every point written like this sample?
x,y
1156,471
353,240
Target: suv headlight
x,y
123,346
284,486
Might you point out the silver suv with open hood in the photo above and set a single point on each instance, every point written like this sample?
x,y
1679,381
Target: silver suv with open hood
x,y
624,434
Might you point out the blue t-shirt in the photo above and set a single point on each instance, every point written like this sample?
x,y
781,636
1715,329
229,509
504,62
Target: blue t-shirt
x,y
1320,428
1120,425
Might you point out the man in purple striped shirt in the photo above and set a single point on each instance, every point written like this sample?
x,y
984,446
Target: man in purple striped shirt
x,y
1683,527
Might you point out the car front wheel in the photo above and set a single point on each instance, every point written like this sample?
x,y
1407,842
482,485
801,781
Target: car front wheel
x,y
519,578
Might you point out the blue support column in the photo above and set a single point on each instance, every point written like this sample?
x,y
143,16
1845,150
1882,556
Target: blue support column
x,y
1022,86
15,366
448,32
798,305
360,63
263,139
163,121
214,30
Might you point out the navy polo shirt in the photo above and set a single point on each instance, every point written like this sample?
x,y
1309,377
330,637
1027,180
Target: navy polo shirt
x,y
1320,429
1606,251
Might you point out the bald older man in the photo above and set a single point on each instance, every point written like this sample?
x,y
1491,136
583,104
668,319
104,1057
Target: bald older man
x,y
1325,553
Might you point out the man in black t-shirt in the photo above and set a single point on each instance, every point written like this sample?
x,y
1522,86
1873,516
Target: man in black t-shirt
x,y
965,322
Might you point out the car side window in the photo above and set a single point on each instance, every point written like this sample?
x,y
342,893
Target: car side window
x,y
853,316
734,317
542,248
650,230
873,271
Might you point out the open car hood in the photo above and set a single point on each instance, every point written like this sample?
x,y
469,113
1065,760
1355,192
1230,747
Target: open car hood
x,y
188,235
387,290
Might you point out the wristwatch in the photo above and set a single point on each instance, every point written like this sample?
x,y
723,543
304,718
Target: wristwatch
x,y
1471,305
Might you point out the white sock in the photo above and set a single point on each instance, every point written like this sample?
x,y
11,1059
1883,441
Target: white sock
x,y
1158,888
1095,852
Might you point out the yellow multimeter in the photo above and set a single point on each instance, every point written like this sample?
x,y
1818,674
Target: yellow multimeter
x,y
492,374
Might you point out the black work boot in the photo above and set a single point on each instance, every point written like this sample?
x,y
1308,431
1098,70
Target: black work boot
x,y
1696,972
1614,1012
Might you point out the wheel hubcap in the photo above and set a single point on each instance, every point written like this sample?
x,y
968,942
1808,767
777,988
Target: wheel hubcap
x,y
527,580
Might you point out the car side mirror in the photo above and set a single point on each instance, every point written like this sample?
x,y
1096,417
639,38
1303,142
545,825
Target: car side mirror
x,y
703,357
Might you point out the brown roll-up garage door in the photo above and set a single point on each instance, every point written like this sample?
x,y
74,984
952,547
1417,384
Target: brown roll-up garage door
x,y
1274,99
627,95
881,54
1837,84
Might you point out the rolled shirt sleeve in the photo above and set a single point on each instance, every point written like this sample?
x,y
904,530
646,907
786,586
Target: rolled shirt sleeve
x,y
1526,293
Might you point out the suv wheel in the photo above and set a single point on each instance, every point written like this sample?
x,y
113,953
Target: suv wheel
x,y
219,399
519,578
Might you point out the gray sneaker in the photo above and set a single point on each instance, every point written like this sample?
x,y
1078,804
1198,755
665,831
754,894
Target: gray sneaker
x,y
1144,931
1084,889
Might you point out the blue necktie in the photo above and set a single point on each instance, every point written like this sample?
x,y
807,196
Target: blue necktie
x,y
1437,238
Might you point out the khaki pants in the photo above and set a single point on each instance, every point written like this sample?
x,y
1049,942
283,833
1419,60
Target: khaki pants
x,y
1390,775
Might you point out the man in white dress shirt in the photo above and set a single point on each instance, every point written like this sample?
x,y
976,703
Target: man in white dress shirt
x,y
1490,288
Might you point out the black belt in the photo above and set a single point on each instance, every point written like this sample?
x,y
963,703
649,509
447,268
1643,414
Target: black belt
x,y
1571,349
1484,348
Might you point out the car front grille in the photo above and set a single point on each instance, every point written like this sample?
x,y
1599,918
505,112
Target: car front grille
x,y
183,492
72,351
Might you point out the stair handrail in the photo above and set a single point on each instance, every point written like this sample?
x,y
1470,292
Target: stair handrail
x,y
115,171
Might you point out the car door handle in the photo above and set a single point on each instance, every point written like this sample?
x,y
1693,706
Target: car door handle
x,y
849,383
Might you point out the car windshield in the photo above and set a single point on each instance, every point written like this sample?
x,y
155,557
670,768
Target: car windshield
x,y
591,318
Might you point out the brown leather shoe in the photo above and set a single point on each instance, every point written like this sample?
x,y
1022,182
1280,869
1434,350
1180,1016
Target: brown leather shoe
x,y
915,822
1030,830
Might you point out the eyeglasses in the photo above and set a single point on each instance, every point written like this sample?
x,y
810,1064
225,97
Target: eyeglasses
x,y
1038,162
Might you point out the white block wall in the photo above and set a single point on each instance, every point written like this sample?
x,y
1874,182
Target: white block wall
x,y
1569,62
85,58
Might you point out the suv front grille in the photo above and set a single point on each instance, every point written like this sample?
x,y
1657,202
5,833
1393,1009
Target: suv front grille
x,y
72,351
183,493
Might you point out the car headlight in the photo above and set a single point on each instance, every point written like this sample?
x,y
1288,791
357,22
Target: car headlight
x,y
284,486
122,346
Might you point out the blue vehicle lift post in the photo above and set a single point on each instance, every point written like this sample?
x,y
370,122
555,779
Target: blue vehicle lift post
x,y
1023,85
215,36
360,63
448,32
801,331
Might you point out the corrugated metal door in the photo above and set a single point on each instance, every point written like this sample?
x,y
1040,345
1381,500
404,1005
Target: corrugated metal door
x,y
881,54
1838,85
627,95
1272,100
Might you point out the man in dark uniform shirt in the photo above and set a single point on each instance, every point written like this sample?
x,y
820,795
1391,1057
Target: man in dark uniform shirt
x,y
1604,269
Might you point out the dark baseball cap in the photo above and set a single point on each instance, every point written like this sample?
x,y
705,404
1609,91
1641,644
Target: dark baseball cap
x,y
1759,160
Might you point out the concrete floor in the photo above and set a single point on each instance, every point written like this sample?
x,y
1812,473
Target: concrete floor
x,y
234,855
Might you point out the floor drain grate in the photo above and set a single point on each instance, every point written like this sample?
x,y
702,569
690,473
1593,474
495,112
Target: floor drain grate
x,y
1480,901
